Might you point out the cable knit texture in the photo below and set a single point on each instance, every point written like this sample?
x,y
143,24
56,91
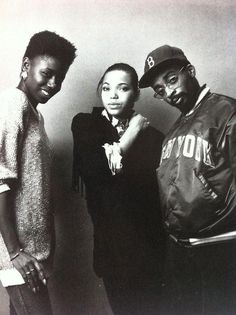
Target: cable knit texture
x,y
25,163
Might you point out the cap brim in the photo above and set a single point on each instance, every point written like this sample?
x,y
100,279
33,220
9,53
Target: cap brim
x,y
147,78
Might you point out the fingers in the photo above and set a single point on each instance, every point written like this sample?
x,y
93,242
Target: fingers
x,y
31,279
40,271
146,123
31,270
140,121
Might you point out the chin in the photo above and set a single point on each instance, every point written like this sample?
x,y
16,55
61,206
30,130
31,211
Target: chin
x,y
43,101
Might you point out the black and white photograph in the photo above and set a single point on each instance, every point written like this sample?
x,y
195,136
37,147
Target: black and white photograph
x,y
117,157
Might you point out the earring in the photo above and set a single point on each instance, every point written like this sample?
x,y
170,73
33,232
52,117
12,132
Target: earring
x,y
24,75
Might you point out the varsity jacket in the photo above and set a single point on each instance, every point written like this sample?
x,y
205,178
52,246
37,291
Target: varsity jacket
x,y
198,169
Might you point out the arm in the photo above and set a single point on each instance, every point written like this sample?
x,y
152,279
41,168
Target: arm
x,y
136,124
89,158
232,145
30,269
11,134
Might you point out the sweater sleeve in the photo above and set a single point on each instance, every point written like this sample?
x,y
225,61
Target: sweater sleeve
x,y
11,133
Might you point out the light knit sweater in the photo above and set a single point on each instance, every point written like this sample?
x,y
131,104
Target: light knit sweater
x,y
25,163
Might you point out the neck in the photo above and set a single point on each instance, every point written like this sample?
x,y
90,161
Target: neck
x,y
21,86
125,116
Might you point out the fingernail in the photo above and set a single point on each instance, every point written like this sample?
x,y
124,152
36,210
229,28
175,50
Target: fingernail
x,y
34,290
44,281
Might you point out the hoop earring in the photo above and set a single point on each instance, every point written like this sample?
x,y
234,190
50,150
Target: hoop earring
x,y
24,75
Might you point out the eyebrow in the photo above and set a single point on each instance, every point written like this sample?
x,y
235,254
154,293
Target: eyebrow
x,y
122,83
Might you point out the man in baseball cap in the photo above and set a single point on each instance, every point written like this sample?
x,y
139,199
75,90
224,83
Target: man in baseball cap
x,y
197,176
157,59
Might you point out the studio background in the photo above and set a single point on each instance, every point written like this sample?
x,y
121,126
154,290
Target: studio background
x,y
106,32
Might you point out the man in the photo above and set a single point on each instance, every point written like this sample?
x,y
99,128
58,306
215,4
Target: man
x,y
197,186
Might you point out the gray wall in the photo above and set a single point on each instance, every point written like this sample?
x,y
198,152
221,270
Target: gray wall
x,y
106,32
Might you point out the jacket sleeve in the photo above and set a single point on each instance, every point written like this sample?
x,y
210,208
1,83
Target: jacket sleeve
x,y
232,144
89,159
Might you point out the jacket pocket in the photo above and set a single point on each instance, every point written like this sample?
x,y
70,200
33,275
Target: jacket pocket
x,y
210,194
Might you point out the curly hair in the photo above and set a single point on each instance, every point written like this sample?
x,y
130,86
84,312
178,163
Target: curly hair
x,y
51,44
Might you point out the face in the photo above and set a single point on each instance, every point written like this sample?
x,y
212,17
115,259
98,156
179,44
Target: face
x,y
45,75
177,86
118,95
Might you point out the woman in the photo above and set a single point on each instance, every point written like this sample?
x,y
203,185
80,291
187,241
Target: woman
x,y
116,153
26,218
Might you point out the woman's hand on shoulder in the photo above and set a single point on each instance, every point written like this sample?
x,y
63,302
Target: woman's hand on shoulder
x,y
31,270
138,122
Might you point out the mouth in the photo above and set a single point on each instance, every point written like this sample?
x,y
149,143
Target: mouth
x,y
46,93
177,100
114,105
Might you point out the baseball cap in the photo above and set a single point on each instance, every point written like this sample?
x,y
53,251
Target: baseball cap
x,y
157,58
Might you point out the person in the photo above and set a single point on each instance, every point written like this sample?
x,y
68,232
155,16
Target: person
x,y
116,153
26,215
197,186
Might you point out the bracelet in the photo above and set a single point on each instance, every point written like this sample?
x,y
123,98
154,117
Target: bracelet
x,y
17,254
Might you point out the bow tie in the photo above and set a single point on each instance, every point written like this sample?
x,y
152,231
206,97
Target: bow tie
x,y
121,126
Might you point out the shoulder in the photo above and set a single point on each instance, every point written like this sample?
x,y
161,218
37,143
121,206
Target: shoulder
x,y
81,118
89,123
221,104
14,104
84,121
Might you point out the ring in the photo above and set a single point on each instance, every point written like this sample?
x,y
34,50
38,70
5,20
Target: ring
x,y
31,270
28,272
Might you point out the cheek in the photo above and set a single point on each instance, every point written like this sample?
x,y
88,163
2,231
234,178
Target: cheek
x,y
129,99
104,97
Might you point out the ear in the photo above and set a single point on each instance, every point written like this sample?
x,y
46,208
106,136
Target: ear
x,y
191,70
25,64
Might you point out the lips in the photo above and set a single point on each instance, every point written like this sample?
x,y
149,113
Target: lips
x,y
114,105
46,93
177,100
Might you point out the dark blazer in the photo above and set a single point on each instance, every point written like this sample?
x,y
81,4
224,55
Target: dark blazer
x,y
124,208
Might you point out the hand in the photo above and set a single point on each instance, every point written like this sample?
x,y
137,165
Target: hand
x,y
139,122
136,124
30,269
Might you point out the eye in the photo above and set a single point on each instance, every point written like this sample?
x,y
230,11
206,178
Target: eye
x,y
105,88
46,74
160,92
172,79
124,88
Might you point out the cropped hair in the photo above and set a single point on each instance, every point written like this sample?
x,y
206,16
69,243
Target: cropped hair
x,y
123,67
51,44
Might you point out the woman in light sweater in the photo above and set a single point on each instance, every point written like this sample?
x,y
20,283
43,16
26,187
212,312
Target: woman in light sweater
x,y
26,217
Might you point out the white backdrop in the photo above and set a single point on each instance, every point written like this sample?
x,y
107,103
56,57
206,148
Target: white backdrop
x,y
105,32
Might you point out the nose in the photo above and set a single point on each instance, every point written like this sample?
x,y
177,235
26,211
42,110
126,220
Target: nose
x,y
114,94
168,91
52,82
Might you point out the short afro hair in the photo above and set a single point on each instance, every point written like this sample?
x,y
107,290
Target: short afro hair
x,y
51,44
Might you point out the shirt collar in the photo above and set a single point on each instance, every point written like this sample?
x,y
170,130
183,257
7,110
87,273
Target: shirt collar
x,y
114,121
203,93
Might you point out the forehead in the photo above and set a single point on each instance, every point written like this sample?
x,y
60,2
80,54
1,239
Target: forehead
x,y
117,77
45,61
